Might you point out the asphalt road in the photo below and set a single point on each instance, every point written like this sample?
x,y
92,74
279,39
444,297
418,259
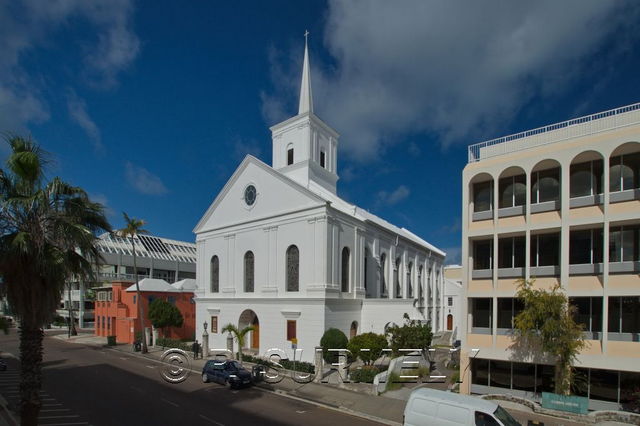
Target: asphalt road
x,y
97,386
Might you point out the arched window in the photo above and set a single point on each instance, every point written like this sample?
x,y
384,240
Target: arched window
x,y
383,273
409,283
248,271
289,154
396,278
322,159
215,274
429,289
420,284
293,268
366,269
345,269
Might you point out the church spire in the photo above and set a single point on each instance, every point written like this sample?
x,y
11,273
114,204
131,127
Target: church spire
x,y
306,98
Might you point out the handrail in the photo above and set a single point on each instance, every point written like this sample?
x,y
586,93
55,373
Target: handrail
x,y
581,126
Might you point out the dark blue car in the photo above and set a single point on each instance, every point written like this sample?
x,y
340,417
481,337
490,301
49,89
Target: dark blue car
x,y
226,372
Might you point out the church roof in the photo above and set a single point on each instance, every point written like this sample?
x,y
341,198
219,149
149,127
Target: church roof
x,y
153,284
188,284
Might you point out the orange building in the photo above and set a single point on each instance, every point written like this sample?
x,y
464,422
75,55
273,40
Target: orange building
x,y
116,309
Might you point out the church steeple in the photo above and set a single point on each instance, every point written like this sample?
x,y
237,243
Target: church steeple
x,y
306,97
305,149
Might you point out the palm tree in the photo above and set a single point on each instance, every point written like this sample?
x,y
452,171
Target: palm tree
x,y
239,335
47,236
132,228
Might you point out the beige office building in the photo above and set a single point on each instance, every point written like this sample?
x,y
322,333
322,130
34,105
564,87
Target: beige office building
x,y
560,204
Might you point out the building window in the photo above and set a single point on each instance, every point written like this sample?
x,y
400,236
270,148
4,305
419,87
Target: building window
x,y
409,283
383,273
588,312
289,156
134,299
513,191
500,374
429,289
545,250
215,274
366,269
482,254
480,371
396,278
545,186
449,301
624,243
322,159
171,300
482,196
420,285
624,315
585,246
291,330
293,269
482,312
248,272
586,179
214,324
624,172
603,385
346,263
511,252
508,309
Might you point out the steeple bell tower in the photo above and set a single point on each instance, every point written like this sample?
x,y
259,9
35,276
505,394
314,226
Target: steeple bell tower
x,y
304,147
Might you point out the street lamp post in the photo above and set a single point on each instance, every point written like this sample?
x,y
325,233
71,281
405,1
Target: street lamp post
x,y
205,341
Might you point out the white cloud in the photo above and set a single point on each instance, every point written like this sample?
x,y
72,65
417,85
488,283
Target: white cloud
x,y
77,109
449,67
102,199
143,181
109,47
385,198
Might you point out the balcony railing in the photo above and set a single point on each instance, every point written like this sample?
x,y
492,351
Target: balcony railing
x,y
577,127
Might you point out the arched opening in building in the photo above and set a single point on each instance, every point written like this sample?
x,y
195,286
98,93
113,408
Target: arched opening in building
x,y
449,322
354,329
252,338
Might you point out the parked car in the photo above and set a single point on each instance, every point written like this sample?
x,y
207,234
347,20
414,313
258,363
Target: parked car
x,y
428,407
226,372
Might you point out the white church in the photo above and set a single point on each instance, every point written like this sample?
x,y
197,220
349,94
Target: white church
x,y
279,250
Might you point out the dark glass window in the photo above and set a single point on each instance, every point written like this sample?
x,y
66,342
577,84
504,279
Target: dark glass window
x,y
482,196
511,252
215,274
588,312
508,309
480,371
513,191
248,272
289,156
293,269
624,172
482,312
500,374
624,314
629,385
524,376
346,263
624,244
545,186
604,385
482,253
586,178
322,159
545,378
585,246
545,250
383,273
366,269
409,283
396,278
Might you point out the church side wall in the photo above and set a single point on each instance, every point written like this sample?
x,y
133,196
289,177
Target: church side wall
x,y
379,313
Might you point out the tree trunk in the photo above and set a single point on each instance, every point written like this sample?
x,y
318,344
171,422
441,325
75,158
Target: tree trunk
x,y
563,378
140,310
30,374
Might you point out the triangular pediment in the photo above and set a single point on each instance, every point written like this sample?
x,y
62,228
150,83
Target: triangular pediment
x,y
275,195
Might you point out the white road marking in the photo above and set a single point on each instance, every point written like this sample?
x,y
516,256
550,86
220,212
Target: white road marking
x,y
55,409
151,366
65,424
65,416
211,421
169,402
51,405
300,411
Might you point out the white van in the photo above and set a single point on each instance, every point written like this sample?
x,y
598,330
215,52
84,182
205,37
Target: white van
x,y
427,407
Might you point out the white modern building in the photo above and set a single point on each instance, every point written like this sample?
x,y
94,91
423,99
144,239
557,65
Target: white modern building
x,y
453,301
156,257
559,205
279,250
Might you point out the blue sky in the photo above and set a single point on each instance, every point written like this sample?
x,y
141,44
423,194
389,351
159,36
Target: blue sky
x,y
151,105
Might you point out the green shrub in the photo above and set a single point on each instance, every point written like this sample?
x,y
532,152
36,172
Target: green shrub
x,y
287,364
372,341
455,377
172,343
365,374
332,339
393,381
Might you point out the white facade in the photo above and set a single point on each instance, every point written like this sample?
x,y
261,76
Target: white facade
x,y
271,225
452,300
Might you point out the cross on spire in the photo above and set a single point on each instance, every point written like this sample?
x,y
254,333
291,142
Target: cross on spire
x,y
306,99
306,34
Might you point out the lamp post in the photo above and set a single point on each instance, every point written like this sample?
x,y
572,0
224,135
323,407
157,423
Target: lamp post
x,y
205,341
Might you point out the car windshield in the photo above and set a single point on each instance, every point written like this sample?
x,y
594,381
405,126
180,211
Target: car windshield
x,y
233,365
506,418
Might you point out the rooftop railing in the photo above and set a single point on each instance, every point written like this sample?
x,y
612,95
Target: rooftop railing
x,y
577,127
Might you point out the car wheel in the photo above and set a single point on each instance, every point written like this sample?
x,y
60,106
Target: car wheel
x,y
205,378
